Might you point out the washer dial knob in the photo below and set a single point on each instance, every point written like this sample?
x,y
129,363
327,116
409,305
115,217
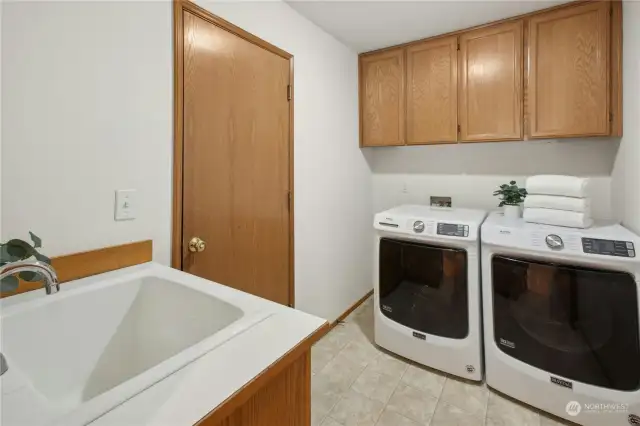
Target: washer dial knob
x,y
554,242
418,226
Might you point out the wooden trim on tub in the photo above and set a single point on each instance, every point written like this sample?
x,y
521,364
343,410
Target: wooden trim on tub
x,y
240,397
80,265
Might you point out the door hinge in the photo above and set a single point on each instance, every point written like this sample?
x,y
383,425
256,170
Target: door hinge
x,y
458,46
289,200
611,116
288,92
458,128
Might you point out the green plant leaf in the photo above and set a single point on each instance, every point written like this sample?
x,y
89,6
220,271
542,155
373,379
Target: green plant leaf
x,y
5,256
37,242
501,204
19,249
9,283
30,276
42,258
513,182
14,250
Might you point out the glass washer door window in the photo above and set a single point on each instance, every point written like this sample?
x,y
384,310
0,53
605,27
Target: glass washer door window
x,y
579,323
424,287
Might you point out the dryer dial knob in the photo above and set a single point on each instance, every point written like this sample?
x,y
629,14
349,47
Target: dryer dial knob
x,y
418,226
554,242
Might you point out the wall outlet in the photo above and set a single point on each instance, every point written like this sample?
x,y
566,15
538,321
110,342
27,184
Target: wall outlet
x,y
440,201
125,208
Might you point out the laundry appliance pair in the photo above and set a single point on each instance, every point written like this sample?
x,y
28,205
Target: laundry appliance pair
x,y
545,314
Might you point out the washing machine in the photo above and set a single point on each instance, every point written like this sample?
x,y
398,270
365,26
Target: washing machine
x,y
561,318
427,287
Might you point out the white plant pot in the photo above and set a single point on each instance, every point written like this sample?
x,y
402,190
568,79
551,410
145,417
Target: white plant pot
x,y
511,212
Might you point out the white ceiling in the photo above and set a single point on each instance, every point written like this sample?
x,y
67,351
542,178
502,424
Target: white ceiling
x,y
366,25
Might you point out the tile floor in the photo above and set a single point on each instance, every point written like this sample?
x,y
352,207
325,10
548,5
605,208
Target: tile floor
x,y
356,383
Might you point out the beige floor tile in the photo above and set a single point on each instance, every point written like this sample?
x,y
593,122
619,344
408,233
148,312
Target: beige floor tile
x,y
548,420
361,330
413,403
424,379
339,374
321,354
361,353
449,415
375,385
323,396
339,336
469,397
505,412
317,417
390,418
388,364
328,421
355,409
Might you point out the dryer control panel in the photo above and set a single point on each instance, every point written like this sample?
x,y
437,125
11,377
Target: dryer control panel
x,y
453,229
608,247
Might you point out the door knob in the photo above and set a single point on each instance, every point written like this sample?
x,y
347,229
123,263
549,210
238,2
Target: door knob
x,y
196,245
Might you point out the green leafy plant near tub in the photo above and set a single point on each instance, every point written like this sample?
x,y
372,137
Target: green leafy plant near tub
x,y
510,194
16,250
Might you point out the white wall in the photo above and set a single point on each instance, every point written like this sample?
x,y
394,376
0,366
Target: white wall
x,y
469,173
626,171
88,109
332,178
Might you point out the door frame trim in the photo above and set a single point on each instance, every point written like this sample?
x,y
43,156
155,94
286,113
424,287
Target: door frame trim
x,y
179,7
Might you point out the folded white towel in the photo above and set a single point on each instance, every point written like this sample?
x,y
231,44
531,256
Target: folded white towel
x,y
557,217
568,186
557,202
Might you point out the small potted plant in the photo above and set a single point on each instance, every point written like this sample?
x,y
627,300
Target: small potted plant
x,y
511,197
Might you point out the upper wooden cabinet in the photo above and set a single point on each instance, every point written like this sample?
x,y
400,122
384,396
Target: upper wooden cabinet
x,y
491,83
569,72
549,74
382,98
432,91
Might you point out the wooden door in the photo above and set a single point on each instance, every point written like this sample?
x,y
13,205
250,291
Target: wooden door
x,y
432,92
569,72
236,174
382,98
491,83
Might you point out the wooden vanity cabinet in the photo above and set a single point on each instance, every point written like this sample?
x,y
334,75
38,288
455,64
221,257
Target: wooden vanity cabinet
x,y
382,100
569,78
432,91
490,83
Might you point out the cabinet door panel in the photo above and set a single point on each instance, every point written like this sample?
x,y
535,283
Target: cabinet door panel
x,y
432,92
382,98
569,77
491,83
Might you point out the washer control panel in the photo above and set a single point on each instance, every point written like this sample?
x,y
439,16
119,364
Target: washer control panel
x,y
453,229
608,247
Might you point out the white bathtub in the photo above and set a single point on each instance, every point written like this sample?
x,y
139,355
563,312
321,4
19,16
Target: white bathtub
x,y
78,354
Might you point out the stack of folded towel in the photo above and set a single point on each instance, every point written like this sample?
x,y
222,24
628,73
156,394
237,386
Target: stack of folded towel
x,y
558,200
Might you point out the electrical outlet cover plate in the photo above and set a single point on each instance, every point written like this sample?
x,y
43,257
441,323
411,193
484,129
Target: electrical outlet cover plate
x,y
125,204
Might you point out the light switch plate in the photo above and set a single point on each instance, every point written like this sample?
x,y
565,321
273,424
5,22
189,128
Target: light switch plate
x,y
125,208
